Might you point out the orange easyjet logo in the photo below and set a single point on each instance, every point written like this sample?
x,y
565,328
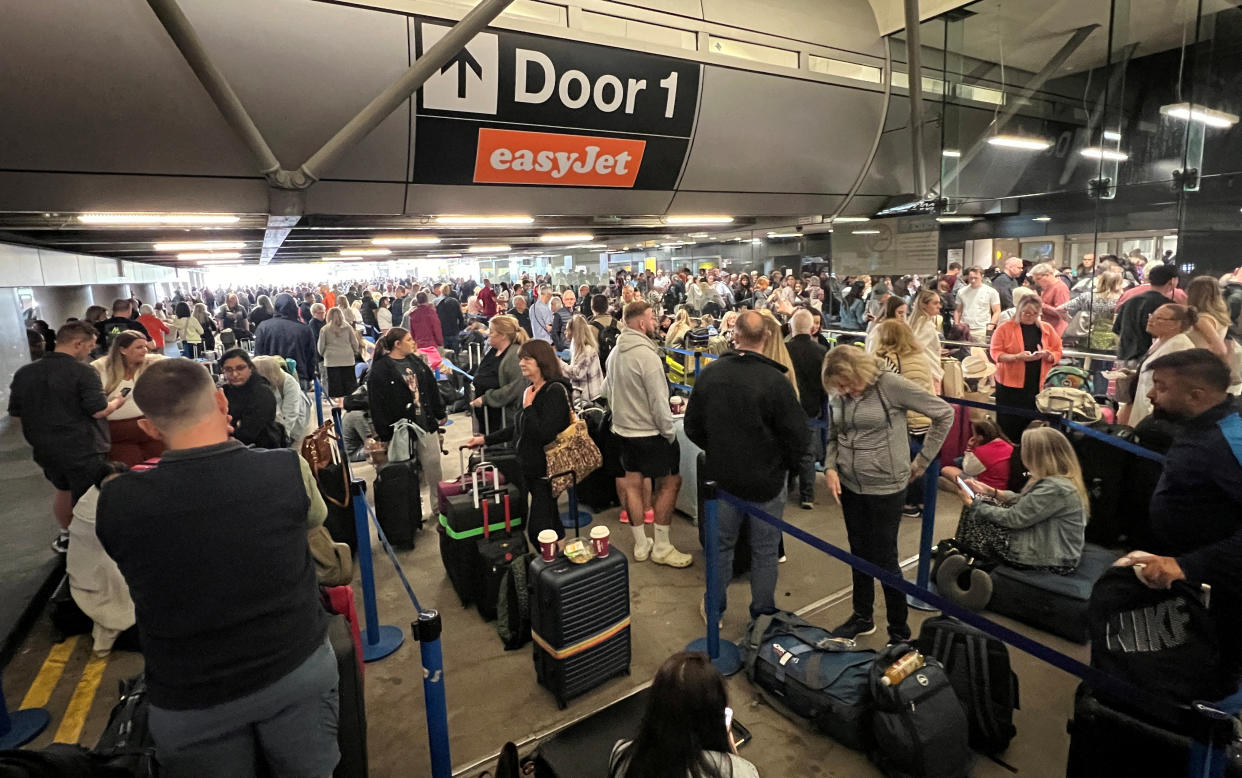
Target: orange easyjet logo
x,y
553,159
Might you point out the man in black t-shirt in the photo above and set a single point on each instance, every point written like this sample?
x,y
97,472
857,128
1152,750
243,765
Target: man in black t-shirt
x,y
122,319
61,404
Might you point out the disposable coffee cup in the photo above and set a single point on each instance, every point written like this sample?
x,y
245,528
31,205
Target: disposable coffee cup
x,y
547,545
600,541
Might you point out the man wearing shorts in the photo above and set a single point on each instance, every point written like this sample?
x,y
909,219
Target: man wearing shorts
x,y
637,393
61,404
238,662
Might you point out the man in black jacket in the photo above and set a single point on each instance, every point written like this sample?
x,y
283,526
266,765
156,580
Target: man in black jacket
x,y
1196,510
1131,319
284,336
452,321
234,636
745,415
807,356
122,319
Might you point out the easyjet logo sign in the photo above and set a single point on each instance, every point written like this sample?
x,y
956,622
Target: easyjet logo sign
x,y
554,159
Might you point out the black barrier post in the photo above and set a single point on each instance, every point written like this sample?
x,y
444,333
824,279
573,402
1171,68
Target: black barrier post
x,y
725,656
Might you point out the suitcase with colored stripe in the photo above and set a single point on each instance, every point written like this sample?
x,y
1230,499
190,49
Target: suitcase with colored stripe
x,y
580,622
461,529
464,484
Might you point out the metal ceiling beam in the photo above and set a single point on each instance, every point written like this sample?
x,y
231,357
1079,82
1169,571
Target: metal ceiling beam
x,y
914,80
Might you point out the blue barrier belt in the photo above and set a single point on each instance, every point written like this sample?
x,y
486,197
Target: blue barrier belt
x,y
1121,689
1005,409
455,368
393,556
1113,440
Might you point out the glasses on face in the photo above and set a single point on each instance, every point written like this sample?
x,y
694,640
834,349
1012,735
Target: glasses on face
x,y
233,370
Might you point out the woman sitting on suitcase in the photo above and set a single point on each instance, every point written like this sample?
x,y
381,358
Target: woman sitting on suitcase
x,y
1039,528
685,730
545,414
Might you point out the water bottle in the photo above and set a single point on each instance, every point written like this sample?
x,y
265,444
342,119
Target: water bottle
x,y
897,671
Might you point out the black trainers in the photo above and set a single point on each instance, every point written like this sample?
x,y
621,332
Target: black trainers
x,y
898,635
912,511
61,543
855,627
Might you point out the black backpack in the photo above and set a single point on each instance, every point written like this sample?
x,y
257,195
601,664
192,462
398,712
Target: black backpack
x,y
607,341
672,299
126,742
919,726
513,604
978,668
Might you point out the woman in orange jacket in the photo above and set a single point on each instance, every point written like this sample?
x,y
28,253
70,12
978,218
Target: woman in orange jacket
x,y
1024,348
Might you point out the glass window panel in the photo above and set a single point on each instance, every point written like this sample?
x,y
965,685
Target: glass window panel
x,y
754,52
851,70
618,27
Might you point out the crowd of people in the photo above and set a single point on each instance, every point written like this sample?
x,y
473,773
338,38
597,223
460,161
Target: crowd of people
x,y
212,387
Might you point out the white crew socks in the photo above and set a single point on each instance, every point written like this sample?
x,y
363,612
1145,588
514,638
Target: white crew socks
x,y
640,535
662,543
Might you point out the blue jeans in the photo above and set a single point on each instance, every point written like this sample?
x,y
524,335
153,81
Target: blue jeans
x,y
765,542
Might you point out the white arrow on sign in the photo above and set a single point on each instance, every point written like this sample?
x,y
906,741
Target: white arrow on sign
x,y
470,81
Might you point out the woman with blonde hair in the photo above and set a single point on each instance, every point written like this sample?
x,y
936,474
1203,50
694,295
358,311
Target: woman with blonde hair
x,y
118,371
868,468
924,324
775,350
584,370
292,406
498,380
1102,302
1211,331
1040,528
341,348
677,331
762,292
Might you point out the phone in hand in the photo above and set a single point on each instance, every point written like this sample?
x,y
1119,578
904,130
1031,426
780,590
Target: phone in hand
x,y
965,487
125,392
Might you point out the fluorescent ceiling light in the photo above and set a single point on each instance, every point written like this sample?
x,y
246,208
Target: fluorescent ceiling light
x,y
784,235
488,249
419,240
757,241
951,153
365,252
210,255
697,235
442,256
1112,135
954,219
1095,152
866,232
158,218
200,245
1020,142
590,246
483,221
850,219
1197,113
1042,219
567,237
222,262
698,219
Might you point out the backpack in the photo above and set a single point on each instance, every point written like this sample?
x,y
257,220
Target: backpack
x,y
1075,404
126,742
513,605
607,341
1068,376
919,722
978,668
671,299
812,676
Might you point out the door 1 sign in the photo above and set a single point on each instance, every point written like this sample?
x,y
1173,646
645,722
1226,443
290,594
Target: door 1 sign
x,y
515,157
467,82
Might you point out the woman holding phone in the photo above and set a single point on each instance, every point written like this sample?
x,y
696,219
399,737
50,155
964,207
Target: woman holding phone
x,y
686,729
1023,348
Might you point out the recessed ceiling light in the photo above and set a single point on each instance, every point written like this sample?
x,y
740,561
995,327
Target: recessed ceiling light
x,y
951,153
1019,142
1196,113
203,245
698,219
866,232
1095,152
210,255
850,219
566,237
365,252
1042,219
954,219
415,240
488,249
483,221
158,218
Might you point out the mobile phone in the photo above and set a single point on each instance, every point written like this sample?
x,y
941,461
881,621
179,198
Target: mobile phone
x,y
125,392
741,735
728,718
964,486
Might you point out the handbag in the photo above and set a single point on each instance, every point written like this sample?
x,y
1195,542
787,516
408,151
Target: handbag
x,y
376,452
319,450
572,456
334,564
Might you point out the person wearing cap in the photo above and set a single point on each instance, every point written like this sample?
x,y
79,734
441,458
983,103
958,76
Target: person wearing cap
x,y
875,306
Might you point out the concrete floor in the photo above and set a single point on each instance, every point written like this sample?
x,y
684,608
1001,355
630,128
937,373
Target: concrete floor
x,y
493,696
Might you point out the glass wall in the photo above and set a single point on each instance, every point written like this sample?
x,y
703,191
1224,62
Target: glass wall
x,y
1081,128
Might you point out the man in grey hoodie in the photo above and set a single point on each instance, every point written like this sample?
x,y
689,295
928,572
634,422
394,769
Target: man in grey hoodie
x,y
637,394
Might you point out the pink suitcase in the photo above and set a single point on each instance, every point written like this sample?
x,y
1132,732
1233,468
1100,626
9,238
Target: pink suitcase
x,y
462,484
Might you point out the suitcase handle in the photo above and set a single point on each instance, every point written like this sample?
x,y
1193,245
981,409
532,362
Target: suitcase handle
x,y
487,531
508,514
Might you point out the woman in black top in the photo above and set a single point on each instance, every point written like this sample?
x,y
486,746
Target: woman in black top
x,y
402,386
252,403
545,414
743,293
232,316
263,310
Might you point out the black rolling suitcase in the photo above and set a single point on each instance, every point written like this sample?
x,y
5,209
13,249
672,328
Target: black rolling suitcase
x,y
1104,471
461,527
340,521
351,731
580,622
497,550
399,502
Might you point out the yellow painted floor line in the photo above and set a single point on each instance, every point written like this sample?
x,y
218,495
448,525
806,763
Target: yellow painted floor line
x,y
70,728
49,675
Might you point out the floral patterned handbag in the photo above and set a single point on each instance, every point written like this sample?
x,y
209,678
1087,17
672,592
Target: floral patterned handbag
x,y
573,450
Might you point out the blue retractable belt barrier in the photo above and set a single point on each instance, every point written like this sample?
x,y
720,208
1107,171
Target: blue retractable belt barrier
x,y
319,401
445,362
20,727
1113,440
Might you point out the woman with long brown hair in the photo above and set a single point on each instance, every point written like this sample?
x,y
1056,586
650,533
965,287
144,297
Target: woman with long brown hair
x,y
118,371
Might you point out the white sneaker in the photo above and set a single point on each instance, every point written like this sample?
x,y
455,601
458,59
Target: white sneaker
x,y
643,550
672,557
703,613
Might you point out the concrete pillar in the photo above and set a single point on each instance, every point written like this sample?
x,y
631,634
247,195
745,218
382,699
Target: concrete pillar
x,y
14,348
58,303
